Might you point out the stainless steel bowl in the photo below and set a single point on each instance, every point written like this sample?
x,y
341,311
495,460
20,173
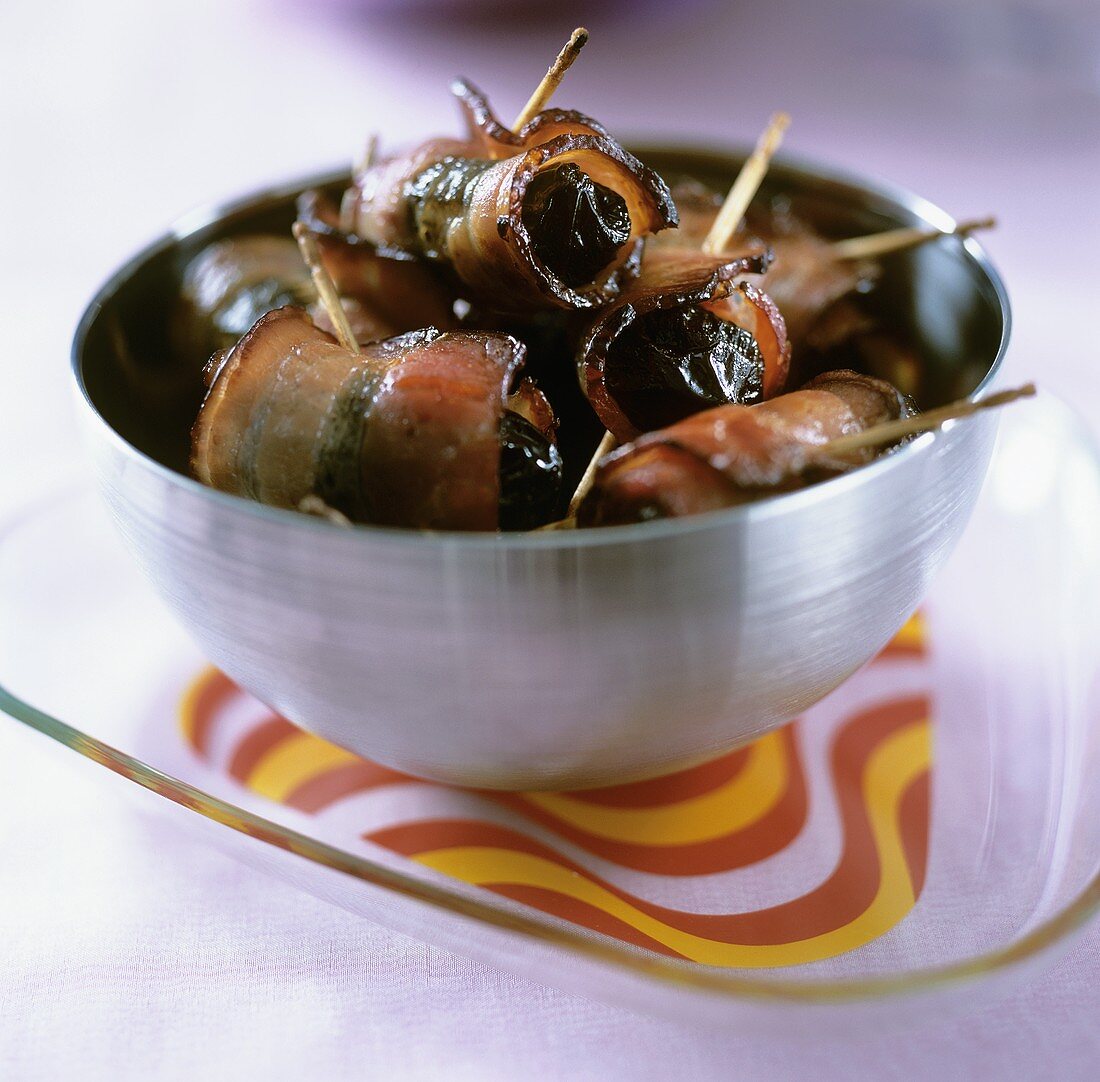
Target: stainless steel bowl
x,y
547,660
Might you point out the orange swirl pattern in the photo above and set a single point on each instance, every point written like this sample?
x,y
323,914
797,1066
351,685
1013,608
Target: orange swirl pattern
x,y
736,811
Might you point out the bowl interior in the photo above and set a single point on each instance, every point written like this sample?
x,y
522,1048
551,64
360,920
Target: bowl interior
x,y
942,298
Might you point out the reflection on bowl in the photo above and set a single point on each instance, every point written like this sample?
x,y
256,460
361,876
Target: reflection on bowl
x,y
560,659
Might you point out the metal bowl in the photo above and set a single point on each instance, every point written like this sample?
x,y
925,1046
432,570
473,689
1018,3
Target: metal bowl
x,y
550,660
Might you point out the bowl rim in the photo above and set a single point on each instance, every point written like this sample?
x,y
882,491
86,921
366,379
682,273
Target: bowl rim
x,y
922,211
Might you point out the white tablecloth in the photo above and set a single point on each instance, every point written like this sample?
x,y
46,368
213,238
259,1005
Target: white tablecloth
x,y
128,952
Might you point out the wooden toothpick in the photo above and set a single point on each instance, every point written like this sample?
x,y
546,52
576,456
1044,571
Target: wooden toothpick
x,y
745,186
326,288
348,206
892,431
897,240
606,444
370,152
545,90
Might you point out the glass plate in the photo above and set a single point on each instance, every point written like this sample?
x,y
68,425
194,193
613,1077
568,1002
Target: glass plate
x,y
934,821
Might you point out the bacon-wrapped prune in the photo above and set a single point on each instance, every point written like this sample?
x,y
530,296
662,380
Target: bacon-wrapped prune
x,y
689,334
407,432
551,216
733,454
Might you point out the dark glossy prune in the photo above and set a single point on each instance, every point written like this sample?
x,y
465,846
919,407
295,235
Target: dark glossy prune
x,y
673,362
530,474
577,226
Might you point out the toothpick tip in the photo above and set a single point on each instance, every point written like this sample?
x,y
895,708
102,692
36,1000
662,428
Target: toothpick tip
x,y
545,90
748,181
974,224
307,242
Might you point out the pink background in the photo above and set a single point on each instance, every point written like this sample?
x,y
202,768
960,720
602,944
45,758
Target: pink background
x,y
125,947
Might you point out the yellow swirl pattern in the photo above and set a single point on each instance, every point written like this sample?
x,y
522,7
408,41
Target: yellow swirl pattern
x,y
294,761
892,767
750,795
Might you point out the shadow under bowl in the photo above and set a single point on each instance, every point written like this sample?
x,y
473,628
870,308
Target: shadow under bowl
x,y
557,660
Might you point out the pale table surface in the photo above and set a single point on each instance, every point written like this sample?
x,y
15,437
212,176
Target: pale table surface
x,y
127,952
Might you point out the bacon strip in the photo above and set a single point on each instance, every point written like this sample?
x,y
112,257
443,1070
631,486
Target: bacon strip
x,y
806,278
406,433
383,293
459,202
733,454
684,279
230,284
489,138
531,404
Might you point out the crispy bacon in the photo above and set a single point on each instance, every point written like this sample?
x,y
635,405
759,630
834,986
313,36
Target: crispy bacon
x,y
406,433
733,454
634,392
460,203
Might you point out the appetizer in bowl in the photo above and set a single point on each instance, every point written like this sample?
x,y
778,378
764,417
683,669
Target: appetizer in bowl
x,y
514,481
